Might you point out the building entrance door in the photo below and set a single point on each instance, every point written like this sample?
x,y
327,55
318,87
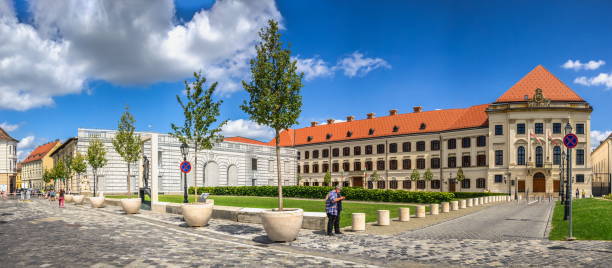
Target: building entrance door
x,y
451,185
556,186
521,186
539,183
357,181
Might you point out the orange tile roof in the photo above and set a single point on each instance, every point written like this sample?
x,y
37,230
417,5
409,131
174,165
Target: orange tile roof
x,y
552,88
5,136
408,123
40,152
245,140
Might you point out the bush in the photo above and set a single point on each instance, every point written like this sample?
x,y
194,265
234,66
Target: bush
x,y
609,197
462,195
318,192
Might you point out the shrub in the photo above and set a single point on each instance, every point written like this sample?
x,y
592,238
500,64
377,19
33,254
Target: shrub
x,y
461,195
609,197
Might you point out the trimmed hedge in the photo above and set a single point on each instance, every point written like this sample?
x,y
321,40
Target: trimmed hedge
x,y
319,192
462,195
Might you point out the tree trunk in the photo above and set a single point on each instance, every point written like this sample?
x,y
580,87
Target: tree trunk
x,y
79,183
195,174
129,182
95,182
278,172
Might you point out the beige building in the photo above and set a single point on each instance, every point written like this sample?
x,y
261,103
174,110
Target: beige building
x,y
602,161
66,153
510,145
36,163
8,162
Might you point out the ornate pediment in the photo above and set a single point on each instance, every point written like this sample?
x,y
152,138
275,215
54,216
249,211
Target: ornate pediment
x,y
538,99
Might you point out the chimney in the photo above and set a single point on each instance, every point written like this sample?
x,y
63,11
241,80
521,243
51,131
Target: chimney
x,y
313,124
417,109
392,112
330,121
350,118
371,115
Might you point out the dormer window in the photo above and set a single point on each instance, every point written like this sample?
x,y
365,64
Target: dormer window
x,y
328,136
423,126
309,138
371,131
349,133
395,129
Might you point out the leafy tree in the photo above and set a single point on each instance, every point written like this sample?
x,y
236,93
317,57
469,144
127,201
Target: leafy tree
x,y
327,179
60,172
47,176
69,171
79,166
96,157
374,176
200,112
460,176
127,144
274,90
428,175
415,176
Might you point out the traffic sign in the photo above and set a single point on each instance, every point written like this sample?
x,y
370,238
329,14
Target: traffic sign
x,y
570,140
185,166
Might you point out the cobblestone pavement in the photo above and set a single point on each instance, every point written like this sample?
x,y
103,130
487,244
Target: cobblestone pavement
x,y
103,237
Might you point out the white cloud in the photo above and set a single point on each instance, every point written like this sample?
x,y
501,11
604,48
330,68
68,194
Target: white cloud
x,y
598,136
357,65
25,146
247,129
577,65
134,42
602,79
313,68
9,127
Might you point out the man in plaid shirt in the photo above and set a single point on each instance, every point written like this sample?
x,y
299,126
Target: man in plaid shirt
x,y
333,206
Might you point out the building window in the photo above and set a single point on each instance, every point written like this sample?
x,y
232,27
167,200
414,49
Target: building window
x,y
520,156
579,128
346,166
452,144
325,167
380,185
335,167
315,154
420,146
557,155
435,163
298,169
380,149
481,141
298,155
357,150
499,130
406,147
520,128
325,153
306,168
539,152
306,155
499,157
466,161
370,185
393,148
539,128
435,145
368,149
499,178
357,166
579,177
315,168
346,151
465,184
407,184
393,184
335,183
253,163
481,160
306,183
435,184
316,183
421,163
452,161
393,164
556,128
420,184
369,166
466,142
481,183
380,165
346,184
406,164
335,152
579,156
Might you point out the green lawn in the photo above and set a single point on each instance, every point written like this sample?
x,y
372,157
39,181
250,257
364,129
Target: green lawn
x,y
306,205
592,220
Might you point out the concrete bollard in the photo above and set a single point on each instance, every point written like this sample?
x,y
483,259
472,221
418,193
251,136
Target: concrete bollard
x,y
420,211
481,200
404,214
476,202
445,207
359,222
462,204
434,209
470,202
383,217
454,205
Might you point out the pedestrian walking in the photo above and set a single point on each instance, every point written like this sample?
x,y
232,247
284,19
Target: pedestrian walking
x,y
61,198
577,193
333,205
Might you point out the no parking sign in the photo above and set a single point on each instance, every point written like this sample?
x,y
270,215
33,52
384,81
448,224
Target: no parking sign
x,y
185,167
570,140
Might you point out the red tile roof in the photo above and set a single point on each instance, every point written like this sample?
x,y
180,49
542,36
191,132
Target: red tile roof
x,y
552,88
5,136
40,152
408,123
245,140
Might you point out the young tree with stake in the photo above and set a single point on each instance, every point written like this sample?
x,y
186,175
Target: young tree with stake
x,y
79,166
96,157
127,144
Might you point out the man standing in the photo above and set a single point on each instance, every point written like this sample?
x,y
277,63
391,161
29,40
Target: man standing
x,y
333,206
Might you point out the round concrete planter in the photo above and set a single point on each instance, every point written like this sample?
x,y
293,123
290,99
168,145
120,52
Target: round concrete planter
x,y
282,226
131,205
97,202
68,198
78,199
197,215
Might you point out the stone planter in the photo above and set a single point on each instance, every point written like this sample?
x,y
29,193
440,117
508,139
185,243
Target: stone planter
x,y
131,205
68,198
197,215
97,202
383,218
404,214
359,222
78,199
282,226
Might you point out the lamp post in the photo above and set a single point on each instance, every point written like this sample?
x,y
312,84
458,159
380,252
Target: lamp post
x,y
184,151
509,187
562,178
568,200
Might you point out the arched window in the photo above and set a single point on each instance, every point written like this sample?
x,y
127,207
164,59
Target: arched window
x,y
539,152
557,155
520,156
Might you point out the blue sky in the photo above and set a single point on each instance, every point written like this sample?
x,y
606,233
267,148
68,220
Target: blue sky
x,y
358,56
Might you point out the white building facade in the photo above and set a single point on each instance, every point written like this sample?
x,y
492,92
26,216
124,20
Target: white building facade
x,y
8,162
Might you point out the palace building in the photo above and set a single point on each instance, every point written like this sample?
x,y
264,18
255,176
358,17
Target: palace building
x,y
513,144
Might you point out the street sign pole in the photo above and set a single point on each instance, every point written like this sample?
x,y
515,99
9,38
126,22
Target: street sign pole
x,y
570,141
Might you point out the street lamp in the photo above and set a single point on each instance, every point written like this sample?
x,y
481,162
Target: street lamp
x,y
568,200
184,151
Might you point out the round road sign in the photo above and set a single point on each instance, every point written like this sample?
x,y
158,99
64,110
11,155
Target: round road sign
x,y
185,167
570,140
